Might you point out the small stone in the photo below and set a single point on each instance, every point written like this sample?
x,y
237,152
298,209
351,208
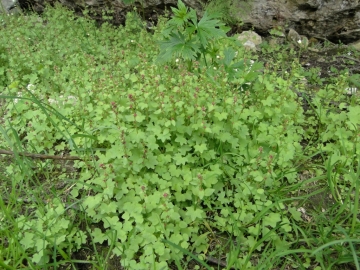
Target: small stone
x,y
356,45
250,38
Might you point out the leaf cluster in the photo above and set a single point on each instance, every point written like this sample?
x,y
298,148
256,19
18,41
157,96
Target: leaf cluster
x,y
187,38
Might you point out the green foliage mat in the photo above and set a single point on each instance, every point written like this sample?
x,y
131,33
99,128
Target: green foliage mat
x,y
205,144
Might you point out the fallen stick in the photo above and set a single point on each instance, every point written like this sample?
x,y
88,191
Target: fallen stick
x,y
40,156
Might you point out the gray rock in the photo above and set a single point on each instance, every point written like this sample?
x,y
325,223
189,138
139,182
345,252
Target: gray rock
x,y
331,19
298,40
355,45
250,40
9,6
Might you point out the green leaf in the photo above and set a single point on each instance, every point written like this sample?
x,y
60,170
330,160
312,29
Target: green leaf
x,y
208,28
110,222
225,136
27,240
91,202
128,226
194,213
268,102
178,46
151,142
180,14
133,78
287,227
40,257
80,238
221,115
254,230
179,159
209,191
159,248
200,147
60,225
139,117
355,79
98,236
295,213
185,251
165,135
154,218
229,55
201,241
150,162
181,140
175,172
176,238
354,115
272,219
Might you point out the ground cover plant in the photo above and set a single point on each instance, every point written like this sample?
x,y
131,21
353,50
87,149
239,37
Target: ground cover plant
x,y
172,150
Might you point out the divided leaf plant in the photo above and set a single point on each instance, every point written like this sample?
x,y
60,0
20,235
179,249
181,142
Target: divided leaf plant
x,y
189,39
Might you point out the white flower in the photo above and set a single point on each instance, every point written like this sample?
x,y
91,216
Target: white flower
x,y
218,56
349,53
74,99
235,69
30,87
214,68
52,101
299,41
177,60
16,100
351,90
132,41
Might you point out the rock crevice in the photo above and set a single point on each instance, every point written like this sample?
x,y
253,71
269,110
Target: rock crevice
x,y
335,20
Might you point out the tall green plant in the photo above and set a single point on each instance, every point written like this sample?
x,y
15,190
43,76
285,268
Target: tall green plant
x,y
187,38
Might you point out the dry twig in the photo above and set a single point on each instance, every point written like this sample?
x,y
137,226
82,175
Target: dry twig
x,y
40,156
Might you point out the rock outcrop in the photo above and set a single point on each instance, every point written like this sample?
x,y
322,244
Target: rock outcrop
x,y
331,19
335,20
9,6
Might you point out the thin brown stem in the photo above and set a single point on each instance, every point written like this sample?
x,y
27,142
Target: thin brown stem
x,y
40,156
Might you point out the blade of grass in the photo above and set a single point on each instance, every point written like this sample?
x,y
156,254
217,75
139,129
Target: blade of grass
x,y
187,253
